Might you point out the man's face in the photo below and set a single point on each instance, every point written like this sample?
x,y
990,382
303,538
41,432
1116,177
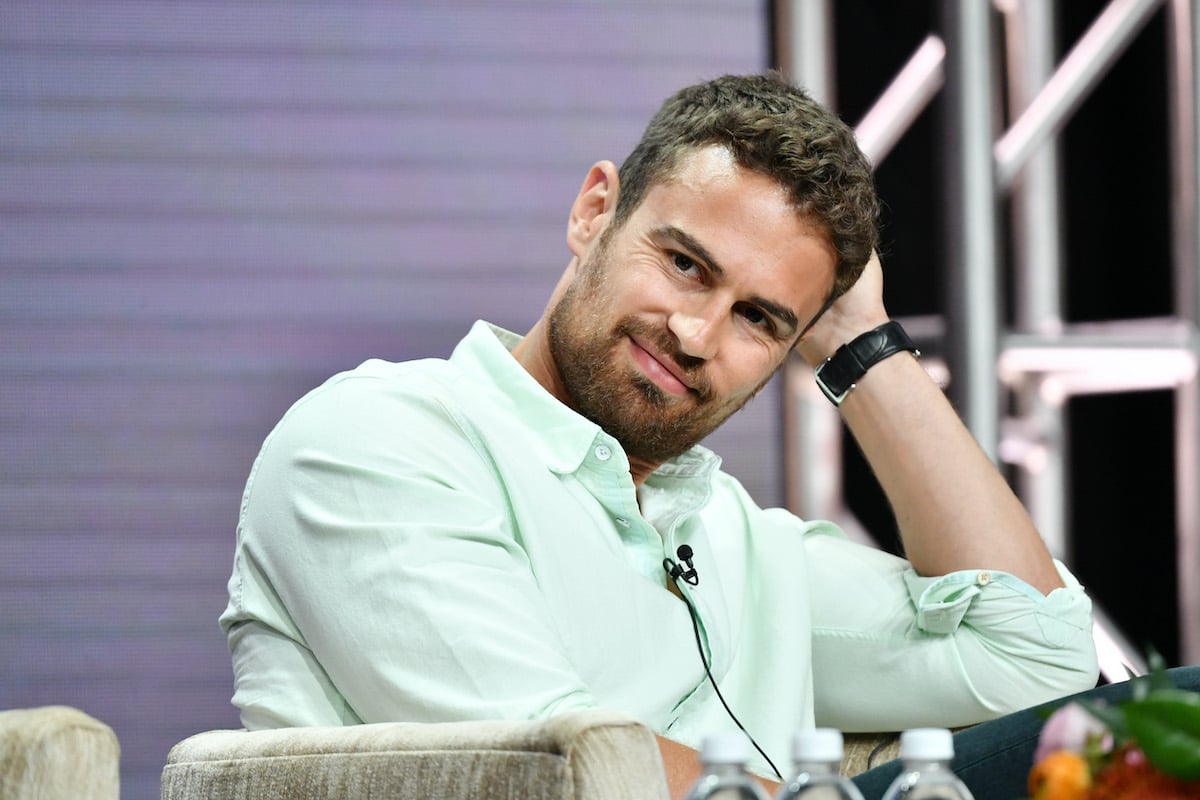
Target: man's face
x,y
676,319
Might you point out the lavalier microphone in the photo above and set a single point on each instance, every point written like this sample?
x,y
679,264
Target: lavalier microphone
x,y
676,571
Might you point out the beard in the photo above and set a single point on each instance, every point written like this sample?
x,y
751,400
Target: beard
x,y
588,354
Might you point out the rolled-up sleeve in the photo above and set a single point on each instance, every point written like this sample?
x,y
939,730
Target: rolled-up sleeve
x,y
893,649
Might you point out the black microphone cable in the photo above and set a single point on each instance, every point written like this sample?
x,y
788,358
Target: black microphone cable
x,y
674,571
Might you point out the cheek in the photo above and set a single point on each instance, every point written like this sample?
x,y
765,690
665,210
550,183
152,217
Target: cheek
x,y
748,372
641,290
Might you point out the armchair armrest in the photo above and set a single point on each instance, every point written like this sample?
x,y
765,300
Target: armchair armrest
x,y
57,753
584,755
866,750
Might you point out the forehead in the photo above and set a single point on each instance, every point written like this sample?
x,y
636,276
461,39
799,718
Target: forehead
x,y
712,174
748,222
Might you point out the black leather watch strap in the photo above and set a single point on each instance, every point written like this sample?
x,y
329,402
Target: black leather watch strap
x,y
841,371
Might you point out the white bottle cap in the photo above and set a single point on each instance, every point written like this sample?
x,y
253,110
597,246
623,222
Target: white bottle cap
x,y
727,747
817,744
927,744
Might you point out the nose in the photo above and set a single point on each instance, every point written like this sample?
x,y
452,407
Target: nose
x,y
695,331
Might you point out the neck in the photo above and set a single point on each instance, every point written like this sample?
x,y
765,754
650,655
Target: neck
x,y
533,353
640,469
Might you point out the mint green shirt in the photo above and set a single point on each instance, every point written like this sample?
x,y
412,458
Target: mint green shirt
x,y
443,540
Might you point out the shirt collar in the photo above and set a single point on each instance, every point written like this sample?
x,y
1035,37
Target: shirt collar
x,y
560,436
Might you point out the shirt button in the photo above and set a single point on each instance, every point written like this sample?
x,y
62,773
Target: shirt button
x,y
603,452
624,523
983,578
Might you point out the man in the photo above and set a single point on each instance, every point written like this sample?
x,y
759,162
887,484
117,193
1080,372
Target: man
x,y
510,533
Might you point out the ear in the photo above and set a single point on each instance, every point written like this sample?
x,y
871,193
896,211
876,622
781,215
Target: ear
x,y
593,207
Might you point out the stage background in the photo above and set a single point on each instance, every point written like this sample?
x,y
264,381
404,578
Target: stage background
x,y
210,207
207,208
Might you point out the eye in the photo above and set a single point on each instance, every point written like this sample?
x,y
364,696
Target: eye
x,y
684,264
758,318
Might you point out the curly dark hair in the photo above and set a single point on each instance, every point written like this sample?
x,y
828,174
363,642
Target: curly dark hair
x,y
776,129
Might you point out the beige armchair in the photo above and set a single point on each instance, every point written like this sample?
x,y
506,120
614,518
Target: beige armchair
x,y
581,756
57,753
586,755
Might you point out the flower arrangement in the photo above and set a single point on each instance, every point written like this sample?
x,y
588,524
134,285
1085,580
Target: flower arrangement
x,y
1146,748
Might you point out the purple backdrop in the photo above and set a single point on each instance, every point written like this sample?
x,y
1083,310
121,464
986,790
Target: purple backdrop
x,y
206,208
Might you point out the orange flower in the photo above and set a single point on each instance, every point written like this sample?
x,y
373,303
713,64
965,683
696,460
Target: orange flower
x,y
1131,777
1062,775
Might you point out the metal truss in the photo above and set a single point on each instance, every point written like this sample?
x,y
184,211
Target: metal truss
x,y
1041,361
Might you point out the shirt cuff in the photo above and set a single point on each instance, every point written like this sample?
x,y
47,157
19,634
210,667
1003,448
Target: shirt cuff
x,y
943,601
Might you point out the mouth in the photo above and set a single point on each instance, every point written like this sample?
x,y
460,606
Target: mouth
x,y
660,368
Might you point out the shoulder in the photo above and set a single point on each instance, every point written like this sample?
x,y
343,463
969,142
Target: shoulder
x,y
731,508
732,504
382,396
383,416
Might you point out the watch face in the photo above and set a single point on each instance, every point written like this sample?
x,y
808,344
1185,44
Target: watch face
x,y
827,379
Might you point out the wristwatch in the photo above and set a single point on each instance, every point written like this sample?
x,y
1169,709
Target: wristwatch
x,y
841,371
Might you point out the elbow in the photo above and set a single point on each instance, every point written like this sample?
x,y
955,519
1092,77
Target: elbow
x,y
1045,674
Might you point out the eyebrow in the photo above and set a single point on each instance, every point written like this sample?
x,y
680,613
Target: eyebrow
x,y
785,315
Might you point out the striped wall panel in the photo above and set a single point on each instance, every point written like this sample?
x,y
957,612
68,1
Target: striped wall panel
x,y
207,208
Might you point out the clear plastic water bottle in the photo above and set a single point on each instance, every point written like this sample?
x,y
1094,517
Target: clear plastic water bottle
x,y
927,753
724,757
817,756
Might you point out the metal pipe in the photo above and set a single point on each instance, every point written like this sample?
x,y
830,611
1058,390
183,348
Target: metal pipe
x,y
1037,205
917,83
1187,523
1184,79
1079,72
1037,259
812,428
970,196
1183,76
807,47
814,451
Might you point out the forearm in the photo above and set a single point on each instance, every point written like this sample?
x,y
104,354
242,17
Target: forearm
x,y
953,508
682,765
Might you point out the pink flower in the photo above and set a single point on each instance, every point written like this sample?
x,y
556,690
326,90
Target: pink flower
x,y
1072,728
